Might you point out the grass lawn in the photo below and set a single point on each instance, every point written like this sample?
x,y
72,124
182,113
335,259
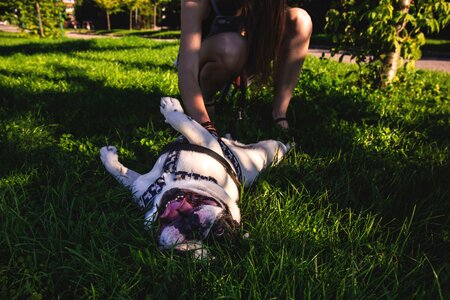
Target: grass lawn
x,y
360,209
432,46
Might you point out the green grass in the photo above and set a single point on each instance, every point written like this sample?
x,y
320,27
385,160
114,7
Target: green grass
x,y
147,33
440,46
432,46
360,209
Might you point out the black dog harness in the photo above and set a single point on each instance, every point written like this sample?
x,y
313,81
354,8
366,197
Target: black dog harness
x,y
174,149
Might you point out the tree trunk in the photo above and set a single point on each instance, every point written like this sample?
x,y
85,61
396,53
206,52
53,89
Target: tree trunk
x,y
38,11
136,20
391,62
107,21
390,67
131,19
154,16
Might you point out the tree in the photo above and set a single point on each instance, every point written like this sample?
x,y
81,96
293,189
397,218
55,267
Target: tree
x,y
38,13
40,17
133,5
110,7
385,31
155,9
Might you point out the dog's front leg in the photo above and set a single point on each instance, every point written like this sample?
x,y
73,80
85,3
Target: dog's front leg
x,y
110,160
192,130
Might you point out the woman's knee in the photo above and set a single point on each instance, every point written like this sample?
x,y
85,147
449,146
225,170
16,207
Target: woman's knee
x,y
298,22
227,50
216,74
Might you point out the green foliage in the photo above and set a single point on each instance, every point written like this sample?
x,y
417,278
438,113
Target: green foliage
x,y
23,13
359,209
370,30
154,34
111,6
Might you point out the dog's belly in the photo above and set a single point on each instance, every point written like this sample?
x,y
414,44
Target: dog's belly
x,y
206,166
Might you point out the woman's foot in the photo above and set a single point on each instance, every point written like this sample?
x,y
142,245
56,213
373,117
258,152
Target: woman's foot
x,y
282,123
281,130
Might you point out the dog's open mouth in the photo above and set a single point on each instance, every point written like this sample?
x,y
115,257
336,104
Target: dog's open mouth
x,y
177,203
187,219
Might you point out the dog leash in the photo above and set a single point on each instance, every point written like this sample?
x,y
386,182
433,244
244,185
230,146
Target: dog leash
x,y
225,149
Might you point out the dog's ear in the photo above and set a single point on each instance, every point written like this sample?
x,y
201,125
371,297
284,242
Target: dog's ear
x,y
225,228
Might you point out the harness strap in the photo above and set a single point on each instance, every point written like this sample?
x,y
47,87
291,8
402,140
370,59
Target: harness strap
x,y
207,151
230,155
214,6
225,150
171,161
155,188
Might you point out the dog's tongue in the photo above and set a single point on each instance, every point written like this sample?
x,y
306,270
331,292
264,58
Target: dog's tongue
x,y
174,208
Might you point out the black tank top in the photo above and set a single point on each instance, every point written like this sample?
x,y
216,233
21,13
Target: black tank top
x,y
217,23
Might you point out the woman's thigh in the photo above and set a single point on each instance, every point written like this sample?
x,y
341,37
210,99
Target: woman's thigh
x,y
228,50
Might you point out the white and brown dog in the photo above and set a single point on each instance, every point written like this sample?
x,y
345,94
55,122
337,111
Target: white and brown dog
x,y
192,192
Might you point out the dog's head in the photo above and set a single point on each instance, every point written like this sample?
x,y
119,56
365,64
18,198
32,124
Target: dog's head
x,y
188,219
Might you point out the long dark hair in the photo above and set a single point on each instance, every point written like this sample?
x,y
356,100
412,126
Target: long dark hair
x,y
264,27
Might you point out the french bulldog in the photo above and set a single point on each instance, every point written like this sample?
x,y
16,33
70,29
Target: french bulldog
x,y
191,194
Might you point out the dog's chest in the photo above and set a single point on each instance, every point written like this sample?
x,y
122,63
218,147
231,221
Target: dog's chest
x,y
188,165
184,170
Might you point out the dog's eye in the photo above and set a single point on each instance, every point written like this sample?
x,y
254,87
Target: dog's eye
x,y
218,231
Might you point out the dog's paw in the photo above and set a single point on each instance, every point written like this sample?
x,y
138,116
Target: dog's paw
x,y
109,157
169,104
172,110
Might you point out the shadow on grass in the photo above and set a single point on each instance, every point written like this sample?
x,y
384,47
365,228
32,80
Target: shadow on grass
x,y
140,65
70,46
70,191
327,128
362,159
90,108
352,157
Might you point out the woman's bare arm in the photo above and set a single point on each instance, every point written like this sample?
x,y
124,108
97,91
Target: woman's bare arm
x,y
192,14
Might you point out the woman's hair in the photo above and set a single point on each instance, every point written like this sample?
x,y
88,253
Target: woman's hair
x,y
264,27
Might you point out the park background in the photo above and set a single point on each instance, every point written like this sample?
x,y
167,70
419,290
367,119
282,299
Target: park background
x,y
359,209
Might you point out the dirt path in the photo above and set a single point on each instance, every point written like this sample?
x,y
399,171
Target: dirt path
x,y
84,36
426,63
8,28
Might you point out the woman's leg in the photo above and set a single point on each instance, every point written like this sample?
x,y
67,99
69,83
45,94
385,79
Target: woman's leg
x,y
222,59
290,60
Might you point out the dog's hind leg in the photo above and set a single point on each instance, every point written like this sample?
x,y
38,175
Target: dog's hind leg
x,y
273,151
256,157
189,128
110,159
